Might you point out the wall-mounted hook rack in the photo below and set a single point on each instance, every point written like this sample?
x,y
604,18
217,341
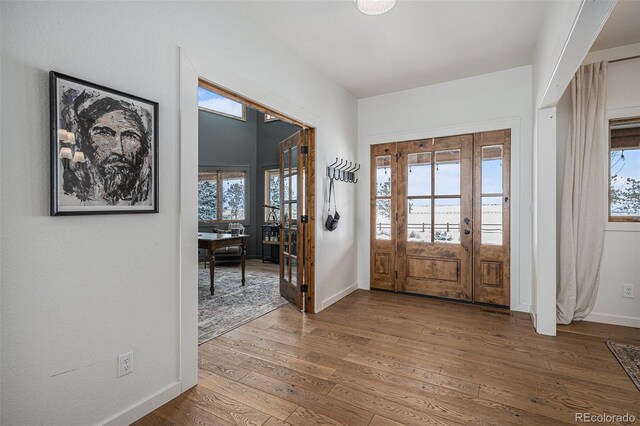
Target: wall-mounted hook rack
x,y
343,170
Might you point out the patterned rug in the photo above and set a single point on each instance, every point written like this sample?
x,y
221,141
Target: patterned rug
x,y
629,358
232,304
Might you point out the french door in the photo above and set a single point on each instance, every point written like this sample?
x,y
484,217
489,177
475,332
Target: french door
x,y
292,212
440,217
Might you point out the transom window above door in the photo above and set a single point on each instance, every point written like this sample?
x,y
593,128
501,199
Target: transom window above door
x,y
212,102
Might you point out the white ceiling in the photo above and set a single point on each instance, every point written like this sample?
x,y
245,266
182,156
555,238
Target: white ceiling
x,y
415,44
622,27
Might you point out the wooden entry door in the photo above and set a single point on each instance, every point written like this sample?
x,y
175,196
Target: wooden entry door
x,y
434,217
440,217
292,213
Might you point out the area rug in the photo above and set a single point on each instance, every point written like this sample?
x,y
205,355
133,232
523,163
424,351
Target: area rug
x,y
233,304
629,358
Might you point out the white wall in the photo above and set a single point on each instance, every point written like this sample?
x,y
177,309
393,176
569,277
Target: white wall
x,y
622,240
78,291
565,38
490,101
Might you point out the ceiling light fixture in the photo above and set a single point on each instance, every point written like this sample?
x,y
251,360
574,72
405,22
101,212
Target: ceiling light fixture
x,y
374,7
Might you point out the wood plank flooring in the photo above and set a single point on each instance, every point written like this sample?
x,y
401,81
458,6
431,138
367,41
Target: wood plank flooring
x,y
386,359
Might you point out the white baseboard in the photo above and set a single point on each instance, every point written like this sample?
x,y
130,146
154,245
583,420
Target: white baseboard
x,y
339,295
613,319
144,407
520,308
533,318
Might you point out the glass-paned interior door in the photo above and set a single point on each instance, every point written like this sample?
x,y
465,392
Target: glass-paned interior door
x,y
292,208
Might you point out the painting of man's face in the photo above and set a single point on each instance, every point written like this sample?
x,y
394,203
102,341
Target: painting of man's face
x,y
115,135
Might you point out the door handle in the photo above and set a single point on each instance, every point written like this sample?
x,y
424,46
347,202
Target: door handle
x,y
467,232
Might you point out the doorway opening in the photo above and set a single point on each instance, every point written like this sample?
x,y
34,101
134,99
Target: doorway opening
x,y
256,202
440,215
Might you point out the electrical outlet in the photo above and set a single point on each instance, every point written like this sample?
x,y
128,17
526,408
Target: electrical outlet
x,y
125,364
627,291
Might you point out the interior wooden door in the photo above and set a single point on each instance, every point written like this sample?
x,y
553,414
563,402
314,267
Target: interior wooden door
x,y
383,216
292,210
491,227
434,193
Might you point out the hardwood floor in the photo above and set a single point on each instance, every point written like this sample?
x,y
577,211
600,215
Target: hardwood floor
x,y
387,359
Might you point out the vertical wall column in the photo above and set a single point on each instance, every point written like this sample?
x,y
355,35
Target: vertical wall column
x,y
544,295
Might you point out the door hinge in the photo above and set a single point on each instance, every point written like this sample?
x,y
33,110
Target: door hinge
x,y
304,288
396,275
304,219
304,149
396,215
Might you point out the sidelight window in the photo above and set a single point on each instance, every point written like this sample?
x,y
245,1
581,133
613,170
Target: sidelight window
x,y
492,196
383,197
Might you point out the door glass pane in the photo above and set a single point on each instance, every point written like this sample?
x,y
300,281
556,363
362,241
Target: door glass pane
x,y
383,219
419,220
492,169
294,187
285,156
383,176
294,159
447,220
448,172
294,241
285,240
286,181
294,212
419,174
286,210
233,194
491,220
294,271
287,268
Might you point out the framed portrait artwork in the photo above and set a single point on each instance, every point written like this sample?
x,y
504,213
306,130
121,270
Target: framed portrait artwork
x,y
104,149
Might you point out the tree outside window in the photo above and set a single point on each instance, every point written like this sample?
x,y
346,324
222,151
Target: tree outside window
x,y
222,196
624,170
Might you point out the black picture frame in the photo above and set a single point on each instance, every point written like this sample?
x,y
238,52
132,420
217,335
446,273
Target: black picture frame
x,y
74,184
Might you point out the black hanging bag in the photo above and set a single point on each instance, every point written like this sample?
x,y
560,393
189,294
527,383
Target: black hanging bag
x,y
332,220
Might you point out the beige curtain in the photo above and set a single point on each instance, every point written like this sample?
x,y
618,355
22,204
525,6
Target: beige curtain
x,y
584,195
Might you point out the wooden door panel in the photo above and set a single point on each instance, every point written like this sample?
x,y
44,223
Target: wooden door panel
x,y
433,269
383,264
